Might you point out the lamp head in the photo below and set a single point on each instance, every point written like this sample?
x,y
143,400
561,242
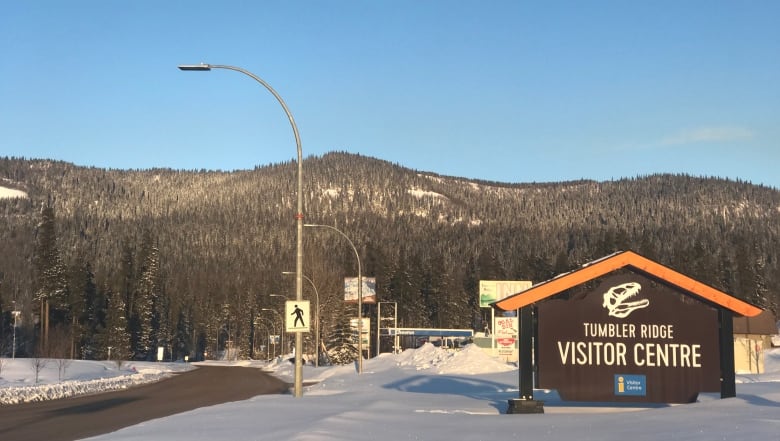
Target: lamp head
x,y
196,67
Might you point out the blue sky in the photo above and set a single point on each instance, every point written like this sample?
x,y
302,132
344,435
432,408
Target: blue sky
x,y
509,91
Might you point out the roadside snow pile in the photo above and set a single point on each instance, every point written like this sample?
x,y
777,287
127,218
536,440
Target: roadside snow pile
x,y
83,378
470,360
43,392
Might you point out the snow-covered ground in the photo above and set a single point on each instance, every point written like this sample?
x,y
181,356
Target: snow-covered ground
x,y
9,193
425,394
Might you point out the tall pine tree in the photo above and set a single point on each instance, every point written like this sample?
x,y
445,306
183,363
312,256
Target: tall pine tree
x,y
145,300
341,342
51,291
116,337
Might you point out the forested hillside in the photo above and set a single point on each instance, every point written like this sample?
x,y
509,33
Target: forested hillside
x,y
188,259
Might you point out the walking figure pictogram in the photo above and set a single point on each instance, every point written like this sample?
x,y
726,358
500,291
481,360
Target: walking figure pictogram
x,y
298,313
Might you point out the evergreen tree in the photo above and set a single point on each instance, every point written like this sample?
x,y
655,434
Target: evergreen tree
x,y
4,319
341,342
161,321
145,300
406,283
127,277
182,340
243,322
51,280
453,306
116,337
746,276
561,264
87,311
489,267
470,287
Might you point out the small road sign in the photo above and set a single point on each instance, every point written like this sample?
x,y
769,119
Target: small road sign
x,y
296,316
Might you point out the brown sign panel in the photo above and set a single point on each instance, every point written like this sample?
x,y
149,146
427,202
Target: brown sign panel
x,y
629,339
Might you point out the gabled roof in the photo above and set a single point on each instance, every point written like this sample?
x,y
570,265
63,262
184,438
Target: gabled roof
x,y
617,261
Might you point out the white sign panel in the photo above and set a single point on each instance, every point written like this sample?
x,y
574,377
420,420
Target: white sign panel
x,y
365,330
296,314
505,333
351,289
491,291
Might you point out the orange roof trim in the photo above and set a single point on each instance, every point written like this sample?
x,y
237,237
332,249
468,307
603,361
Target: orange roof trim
x,y
614,262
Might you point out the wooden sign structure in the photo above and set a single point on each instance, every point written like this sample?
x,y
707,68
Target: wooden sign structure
x,y
625,328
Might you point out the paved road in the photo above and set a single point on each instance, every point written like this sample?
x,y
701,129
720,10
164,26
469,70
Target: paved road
x,y
83,417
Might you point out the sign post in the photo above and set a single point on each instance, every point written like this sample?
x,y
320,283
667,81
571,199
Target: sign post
x,y
526,402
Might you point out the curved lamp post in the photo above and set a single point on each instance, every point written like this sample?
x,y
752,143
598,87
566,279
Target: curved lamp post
x,y
316,318
298,215
267,340
16,317
360,293
273,328
281,327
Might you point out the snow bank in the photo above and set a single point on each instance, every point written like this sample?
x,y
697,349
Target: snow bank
x,y
471,360
17,378
89,377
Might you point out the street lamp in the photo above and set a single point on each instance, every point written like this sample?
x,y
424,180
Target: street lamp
x,y
273,328
360,293
16,317
298,215
229,341
267,341
316,318
281,328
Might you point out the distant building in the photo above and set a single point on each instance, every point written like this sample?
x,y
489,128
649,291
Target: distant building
x,y
753,336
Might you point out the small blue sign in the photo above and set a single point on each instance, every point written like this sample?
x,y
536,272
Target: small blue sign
x,y
635,385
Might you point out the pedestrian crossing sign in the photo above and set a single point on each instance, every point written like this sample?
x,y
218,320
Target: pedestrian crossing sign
x,y
297,318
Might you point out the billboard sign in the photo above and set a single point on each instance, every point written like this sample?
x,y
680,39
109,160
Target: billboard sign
x,y
494,290
629,338
351,289
505,331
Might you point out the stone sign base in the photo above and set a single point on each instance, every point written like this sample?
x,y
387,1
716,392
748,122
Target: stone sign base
x,y
519,406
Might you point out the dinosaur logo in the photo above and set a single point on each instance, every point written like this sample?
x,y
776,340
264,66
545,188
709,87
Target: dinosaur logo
x,y
616,299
